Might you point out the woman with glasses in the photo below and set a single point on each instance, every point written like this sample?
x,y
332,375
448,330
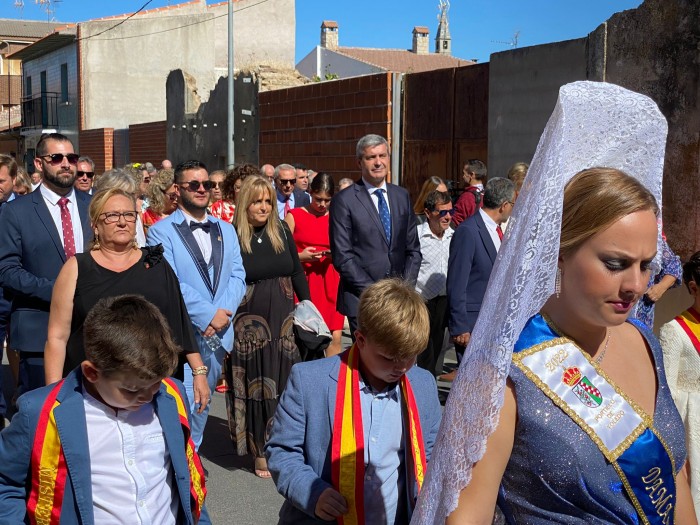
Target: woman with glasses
x,y
217,179
225,208
264,349
115,265
310,228
162,198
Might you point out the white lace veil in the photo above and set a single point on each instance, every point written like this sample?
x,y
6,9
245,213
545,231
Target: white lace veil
x,y
593,124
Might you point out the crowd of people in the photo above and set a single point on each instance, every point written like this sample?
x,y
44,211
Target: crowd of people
x,y
132,296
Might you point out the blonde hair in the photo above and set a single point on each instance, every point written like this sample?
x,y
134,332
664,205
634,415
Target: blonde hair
x,y
160,183
596,198
429,185
393,315
99,201
251,189
22,179
517,173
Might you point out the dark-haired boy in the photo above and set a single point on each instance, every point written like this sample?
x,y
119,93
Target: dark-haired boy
x,y
352,434
110,442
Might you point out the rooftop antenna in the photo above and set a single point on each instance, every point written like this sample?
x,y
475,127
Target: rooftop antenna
x,y
513,41
19,4
50,7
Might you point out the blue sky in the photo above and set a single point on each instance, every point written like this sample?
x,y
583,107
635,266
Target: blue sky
x,y
478,27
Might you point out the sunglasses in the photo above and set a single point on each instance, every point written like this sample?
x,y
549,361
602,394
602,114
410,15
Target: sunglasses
x,y
284,182
171,196
57,158
88,174
217,185
111,217
442,213
194,185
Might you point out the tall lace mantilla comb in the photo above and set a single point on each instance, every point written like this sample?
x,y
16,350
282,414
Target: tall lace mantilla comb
x,y
593,124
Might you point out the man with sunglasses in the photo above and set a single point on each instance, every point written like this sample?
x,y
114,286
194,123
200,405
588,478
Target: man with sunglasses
x,y
288,196
38,233
206,257
84,175
473,251
435,235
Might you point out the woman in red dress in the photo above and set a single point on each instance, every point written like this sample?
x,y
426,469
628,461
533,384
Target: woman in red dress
x,y
310,228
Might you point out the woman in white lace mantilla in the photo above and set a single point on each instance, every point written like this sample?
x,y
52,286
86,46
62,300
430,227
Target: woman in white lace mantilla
x,y
680,341
560,402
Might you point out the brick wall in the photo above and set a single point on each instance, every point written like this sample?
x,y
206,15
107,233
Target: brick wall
x,y
98,145
147,142
319,124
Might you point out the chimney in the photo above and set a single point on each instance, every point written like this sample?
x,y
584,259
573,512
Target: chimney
x,y
421,45
329,35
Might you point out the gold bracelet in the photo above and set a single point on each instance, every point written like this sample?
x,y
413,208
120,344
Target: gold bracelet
x,y
200,371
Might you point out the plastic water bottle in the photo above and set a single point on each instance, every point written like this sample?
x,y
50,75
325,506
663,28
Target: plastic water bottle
x,y
213,342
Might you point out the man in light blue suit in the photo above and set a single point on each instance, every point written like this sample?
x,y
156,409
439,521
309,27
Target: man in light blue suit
x,y
206,257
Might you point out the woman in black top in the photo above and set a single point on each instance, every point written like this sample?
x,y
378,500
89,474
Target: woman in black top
x,y
264,349
115,266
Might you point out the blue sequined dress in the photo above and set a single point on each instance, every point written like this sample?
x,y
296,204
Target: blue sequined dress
x,y
557,474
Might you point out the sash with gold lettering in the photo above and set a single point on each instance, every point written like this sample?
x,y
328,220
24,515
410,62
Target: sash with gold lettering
x,y
347,442
689,321
48,464
621,430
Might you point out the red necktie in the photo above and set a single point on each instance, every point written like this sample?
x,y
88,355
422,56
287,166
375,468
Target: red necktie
x,y
499,232
287,207
67,223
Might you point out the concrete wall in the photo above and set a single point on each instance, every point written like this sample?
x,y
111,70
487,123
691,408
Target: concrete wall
x,y
51,63
125,70
264,33
523,89
321,61
319,124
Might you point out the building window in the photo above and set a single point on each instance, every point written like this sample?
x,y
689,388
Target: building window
x,y
64,82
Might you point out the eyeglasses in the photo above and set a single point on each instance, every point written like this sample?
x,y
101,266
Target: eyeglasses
x,y
442,213
511,203
57,158
284,182
172,196
88,174
216,185
194,185
111,217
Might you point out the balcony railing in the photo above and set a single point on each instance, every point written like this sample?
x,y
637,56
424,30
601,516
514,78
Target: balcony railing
x,y
40,111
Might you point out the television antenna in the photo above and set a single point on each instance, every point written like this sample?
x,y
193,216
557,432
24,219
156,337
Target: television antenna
x,y
49,6
513,41
19,4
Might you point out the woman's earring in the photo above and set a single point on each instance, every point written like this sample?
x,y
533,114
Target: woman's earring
x,y
135,244
557,283
96,242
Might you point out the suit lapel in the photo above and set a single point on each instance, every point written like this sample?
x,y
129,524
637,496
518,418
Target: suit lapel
x,y
217,248
394,208
42,211
332,393
72,429
183,230
363,196
486,238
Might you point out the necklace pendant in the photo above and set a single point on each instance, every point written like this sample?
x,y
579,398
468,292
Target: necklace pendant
x,y
259,240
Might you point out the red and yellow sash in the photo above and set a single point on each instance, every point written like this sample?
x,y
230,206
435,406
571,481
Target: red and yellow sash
x,y
690,323
48,464
347,447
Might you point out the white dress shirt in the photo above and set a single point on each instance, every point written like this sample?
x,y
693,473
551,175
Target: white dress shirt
x,y
130,468
432,275
203,238
373,194
491,227
51,199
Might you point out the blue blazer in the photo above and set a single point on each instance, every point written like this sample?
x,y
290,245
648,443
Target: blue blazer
x,y
362,254
31,255
17,440
299,449
203,296
472,254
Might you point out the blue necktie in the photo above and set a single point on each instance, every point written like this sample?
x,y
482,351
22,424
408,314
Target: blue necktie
x,y
384,213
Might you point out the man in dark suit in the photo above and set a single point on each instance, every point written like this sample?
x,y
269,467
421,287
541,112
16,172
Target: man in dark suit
x,y
38,233
288,196
372,229
472,253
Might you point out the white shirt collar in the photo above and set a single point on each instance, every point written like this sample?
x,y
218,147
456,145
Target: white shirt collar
x,y
53,197
490,223
425,231
371,188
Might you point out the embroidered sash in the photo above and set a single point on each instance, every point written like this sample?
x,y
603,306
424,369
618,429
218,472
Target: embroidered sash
x,y
689,321
347,443
621,430
48,464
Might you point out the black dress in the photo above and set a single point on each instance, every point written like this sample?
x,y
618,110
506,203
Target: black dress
x,y
152,277
264,349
